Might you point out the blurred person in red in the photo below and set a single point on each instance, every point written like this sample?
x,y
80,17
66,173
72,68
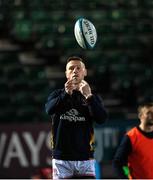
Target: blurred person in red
x,y
43,173
134,156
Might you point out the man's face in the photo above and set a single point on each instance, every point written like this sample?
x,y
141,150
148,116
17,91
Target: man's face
x,y
75,70
147,116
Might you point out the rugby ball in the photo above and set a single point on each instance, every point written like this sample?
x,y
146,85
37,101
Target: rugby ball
x,y
85,33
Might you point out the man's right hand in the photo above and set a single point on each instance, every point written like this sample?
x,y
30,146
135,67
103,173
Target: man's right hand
x,y
70,86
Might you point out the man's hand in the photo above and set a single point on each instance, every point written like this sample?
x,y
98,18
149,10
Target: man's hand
x,y
70,86
85,89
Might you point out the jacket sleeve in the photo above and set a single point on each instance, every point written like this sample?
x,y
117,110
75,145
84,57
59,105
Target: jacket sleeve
x,y
97,109
120,161
55,101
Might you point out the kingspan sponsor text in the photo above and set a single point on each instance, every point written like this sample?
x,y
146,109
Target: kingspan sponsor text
x,y
72,118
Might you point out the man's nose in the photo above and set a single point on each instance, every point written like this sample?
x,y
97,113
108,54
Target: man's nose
x,y
75,69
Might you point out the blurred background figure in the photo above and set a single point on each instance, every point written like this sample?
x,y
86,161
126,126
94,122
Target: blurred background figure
x,y
43,173
134,156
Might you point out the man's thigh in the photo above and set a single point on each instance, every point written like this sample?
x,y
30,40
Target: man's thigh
x,y
67,169
61,169
85,168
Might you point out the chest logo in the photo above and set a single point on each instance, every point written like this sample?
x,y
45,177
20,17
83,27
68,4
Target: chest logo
x,y
72,115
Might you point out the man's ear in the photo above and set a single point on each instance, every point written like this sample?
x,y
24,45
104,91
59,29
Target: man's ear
x,y
66,74
141,116
85,72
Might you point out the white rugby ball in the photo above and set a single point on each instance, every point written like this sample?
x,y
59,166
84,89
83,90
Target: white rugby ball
x,y
85,33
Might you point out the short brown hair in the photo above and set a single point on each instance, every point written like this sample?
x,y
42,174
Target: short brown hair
x,y
74,58
144,105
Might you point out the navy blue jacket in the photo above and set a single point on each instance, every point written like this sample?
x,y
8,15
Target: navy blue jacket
x,y
72,124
